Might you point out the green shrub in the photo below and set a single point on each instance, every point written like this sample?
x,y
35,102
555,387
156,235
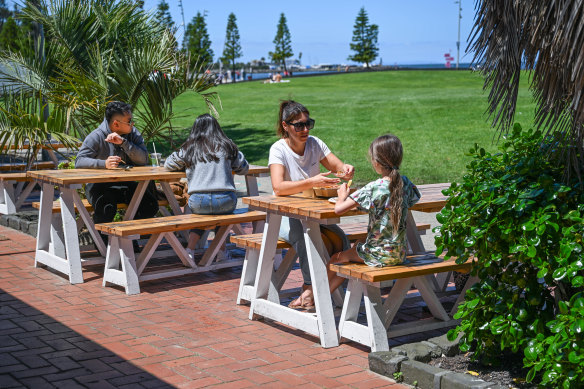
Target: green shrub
x,y
523,223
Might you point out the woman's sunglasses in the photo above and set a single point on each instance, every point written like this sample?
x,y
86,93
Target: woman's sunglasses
x,y
300,126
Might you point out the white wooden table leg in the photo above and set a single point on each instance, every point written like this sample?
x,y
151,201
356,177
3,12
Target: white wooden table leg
x,y
281,274
351,306
442,279
3,209
470,282
8,205
22,195
248,273
129,266
57,245
320,286
112,259
211,252
427,291
251,184
413,237
375,316
88,222
266,259
136,199
395,298
43,240
179,250
52,156
202,240
173,203
70,235
147,252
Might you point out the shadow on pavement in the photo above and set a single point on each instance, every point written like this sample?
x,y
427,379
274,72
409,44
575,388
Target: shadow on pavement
x,y
38,351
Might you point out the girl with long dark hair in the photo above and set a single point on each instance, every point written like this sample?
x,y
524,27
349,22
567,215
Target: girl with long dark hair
x,y
209,158
387,200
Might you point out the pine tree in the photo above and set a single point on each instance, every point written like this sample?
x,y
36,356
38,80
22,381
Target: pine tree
x,y
163,15
283,42
197,42
10,36
364,39
4,13
232,49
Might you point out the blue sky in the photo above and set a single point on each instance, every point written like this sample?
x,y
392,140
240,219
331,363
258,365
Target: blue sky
x,y
410,32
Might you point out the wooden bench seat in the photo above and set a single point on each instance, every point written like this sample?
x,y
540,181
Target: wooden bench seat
x,y
120,250
253,243
14,189
87,205
354,232
365,281
41,165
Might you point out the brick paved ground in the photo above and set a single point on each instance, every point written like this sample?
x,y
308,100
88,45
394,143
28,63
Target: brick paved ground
x,y
185,332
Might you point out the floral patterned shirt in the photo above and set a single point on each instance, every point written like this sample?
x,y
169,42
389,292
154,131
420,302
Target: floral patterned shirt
x,y
382,247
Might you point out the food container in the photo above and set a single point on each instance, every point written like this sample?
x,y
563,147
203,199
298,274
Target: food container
x,y
328,191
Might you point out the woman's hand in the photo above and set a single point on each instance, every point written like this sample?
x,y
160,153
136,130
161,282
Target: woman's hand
x,y
349,171
322,180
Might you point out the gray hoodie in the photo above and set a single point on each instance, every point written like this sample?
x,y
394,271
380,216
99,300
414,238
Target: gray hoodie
x,y
95,150
208,176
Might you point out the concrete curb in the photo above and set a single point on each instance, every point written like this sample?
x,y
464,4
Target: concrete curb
x,y
407,363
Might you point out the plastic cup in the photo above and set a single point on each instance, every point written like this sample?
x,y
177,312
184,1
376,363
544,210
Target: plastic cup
x,y
155,159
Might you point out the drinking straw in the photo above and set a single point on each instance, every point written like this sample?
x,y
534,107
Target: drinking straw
x,y
155,154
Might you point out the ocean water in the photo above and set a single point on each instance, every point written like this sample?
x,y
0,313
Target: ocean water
x,y
266,75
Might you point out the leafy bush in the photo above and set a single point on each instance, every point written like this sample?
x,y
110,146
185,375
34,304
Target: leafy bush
x,y
523,223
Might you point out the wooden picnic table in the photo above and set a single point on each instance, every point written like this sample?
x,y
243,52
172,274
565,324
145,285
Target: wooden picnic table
x,y
312,212
58,241
50,147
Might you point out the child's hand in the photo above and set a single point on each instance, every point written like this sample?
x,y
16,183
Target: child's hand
x,y
322,180
343,192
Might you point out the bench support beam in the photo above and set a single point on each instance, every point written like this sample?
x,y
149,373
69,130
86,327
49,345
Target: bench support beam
x,y
380,316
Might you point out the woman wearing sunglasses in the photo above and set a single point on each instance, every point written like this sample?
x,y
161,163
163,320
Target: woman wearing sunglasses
x,y
294,167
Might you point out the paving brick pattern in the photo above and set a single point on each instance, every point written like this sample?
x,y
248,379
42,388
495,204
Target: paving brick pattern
x,y
184,332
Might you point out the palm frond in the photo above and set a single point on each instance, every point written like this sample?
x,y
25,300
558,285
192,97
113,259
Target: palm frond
x,y
547,37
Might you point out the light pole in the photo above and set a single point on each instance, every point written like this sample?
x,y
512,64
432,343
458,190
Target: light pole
x,y
459,2
182,13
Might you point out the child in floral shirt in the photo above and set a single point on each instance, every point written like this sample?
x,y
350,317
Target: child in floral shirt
x,y
387,200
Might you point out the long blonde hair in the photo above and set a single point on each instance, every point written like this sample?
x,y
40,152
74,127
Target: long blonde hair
x,y
388,152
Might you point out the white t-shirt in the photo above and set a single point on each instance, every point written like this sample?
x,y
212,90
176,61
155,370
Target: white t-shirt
x,y
299,167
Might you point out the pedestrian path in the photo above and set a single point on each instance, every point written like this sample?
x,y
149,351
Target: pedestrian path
x,y
181,332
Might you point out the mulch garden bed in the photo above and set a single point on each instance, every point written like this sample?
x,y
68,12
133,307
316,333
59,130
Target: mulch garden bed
x,y
508,371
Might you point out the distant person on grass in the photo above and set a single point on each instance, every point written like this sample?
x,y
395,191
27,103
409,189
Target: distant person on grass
x,y
209,158
294,167
387,201
116,142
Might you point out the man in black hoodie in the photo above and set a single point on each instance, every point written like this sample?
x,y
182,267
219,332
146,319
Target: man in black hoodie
x,y
116,141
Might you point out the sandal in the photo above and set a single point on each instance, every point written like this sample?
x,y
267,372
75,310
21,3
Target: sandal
x,y
296,303
303,302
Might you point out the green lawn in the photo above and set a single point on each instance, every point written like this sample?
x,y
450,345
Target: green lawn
x,y
438,115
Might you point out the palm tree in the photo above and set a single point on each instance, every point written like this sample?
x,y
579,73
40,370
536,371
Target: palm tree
x,y
544,37
95,51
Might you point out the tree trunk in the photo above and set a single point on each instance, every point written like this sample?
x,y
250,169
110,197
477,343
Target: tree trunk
x,y
285,70
233,71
